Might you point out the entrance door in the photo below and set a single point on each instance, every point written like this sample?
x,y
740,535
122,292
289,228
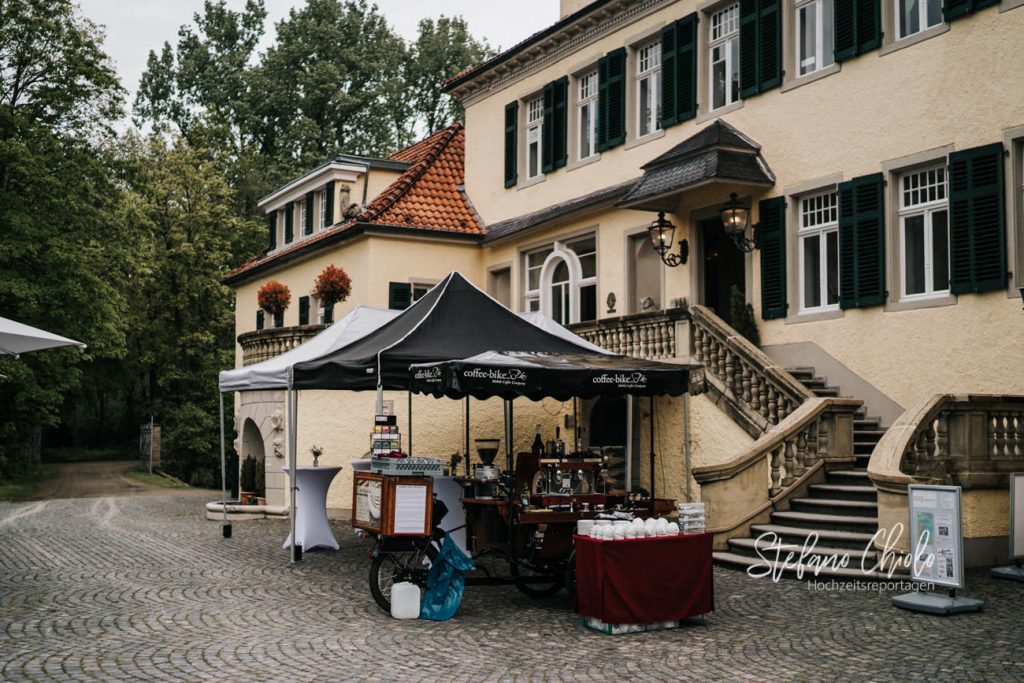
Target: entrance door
x,y
724,268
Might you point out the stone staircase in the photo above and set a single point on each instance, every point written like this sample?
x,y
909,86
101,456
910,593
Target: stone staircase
x,y
842,511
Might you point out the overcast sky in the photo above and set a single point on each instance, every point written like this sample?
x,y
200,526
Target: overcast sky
x,y
134,27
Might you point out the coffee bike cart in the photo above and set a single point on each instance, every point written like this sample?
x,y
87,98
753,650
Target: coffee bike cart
x,y
521,518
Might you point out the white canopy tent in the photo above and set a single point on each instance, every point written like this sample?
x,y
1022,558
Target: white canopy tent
x,y
17,338
276,372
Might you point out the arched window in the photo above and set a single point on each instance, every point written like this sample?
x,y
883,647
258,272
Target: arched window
x,y
561,280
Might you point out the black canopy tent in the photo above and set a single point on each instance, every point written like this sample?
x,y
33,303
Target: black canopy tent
x,y
537,375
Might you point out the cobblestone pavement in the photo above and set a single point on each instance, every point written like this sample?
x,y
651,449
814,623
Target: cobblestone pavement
x,y
145,588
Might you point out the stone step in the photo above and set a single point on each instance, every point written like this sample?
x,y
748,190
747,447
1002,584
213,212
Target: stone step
x,y
835,506
822,521
844,492
749,546
801,372
865,423
865,434
823,573
798,534
863,448
854,476
826,392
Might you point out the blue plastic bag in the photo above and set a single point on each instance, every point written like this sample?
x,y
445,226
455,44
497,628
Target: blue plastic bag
x,y
445,582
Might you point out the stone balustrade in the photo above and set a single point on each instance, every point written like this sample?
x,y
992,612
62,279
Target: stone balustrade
x,y
263,344
790,454
642,335
744,372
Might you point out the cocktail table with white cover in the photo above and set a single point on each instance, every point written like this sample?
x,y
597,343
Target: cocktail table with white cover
x,y
311,527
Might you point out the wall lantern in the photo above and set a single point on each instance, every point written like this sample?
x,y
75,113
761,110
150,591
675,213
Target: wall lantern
x,y
735,218
662,234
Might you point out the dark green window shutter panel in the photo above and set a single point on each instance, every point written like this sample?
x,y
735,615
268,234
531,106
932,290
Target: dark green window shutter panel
x,y
329,314
303,310
289,219
560,123
272,229
547,131
771,238
760,46
259,320
279,319
858,27
954,9
977,228
679,71
769,74
669,60
862,242
329,204
749,30
611,100
511,143
308,227
399,295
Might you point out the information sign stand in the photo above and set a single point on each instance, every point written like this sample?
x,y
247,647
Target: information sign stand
x,y
936,546
1015,571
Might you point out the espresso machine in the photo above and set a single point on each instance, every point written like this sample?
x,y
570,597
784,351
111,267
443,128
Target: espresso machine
x,y
485,475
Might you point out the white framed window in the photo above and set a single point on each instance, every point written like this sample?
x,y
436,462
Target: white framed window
x,y
587,115
561,280
914,16
724,61
301,227
818,237
924,233
815,36
321,198
534,126
419,288
648,88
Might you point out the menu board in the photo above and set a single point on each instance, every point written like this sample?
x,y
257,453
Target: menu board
x,y
935,535
410,508
1017,516
366,511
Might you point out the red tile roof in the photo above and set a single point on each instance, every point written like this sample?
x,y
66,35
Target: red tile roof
x,y
427,196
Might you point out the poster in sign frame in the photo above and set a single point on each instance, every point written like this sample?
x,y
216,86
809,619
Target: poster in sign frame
x,y
1017,516
936,541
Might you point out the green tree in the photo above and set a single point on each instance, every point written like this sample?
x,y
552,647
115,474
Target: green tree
x,y
182,203
442,49
58,94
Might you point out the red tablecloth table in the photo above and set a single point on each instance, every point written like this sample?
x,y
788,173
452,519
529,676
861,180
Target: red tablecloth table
x,y
644,580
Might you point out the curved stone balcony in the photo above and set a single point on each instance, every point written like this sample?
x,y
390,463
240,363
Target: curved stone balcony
x,y
260,345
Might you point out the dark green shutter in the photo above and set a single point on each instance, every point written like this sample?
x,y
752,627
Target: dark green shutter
x,y
328,314
303,310
977,229
858,27
308,227
279,319
259,320
511,143
547,133
560,123
611,100
955,9
399,295
329,201
679,71
760,46
272,229
289,218
771,238
862,242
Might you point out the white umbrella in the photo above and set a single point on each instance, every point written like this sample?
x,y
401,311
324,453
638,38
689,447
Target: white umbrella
x,y
16,338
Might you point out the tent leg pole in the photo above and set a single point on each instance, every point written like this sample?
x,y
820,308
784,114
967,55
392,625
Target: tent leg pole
x,y
686,446
467,437
226,527
575,426
410,423
652,455
292,464
508,466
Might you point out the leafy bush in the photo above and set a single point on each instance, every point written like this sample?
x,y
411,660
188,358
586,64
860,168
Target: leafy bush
x,y
274,297
333,285
743,320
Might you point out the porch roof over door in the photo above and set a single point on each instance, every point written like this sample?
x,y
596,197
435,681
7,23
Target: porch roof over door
x,y
716,153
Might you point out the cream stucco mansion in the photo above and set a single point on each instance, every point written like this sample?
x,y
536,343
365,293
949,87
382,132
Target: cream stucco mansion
x,y
854,169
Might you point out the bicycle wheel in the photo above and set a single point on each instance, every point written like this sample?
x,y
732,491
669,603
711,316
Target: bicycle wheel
x,y
389,568
536,590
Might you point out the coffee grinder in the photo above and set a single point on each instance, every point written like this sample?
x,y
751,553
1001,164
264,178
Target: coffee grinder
x,y
485,474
